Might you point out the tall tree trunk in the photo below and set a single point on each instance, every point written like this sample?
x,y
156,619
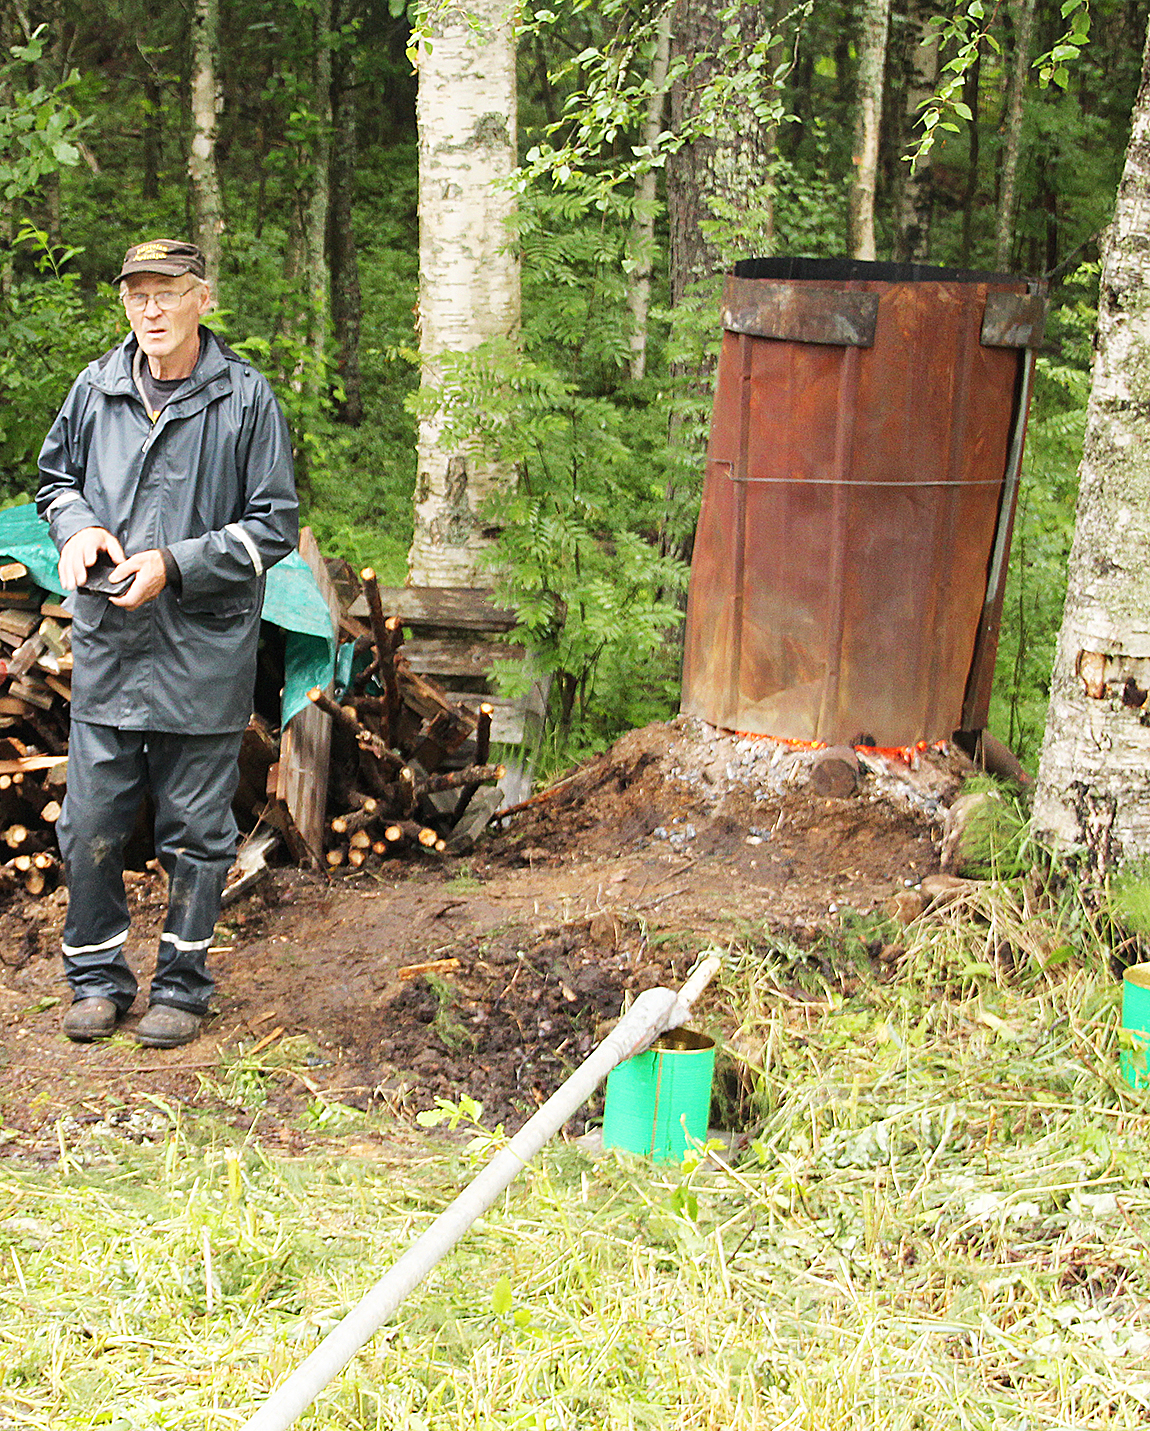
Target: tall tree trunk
x,y
153,131
914,187
874,24
970,87
343,259
319,192
8,37
719,174
642,244
207,204
1094,777
468,274
718,188
1008,173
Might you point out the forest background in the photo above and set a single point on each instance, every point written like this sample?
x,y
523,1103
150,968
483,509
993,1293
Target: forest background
x,y
316,151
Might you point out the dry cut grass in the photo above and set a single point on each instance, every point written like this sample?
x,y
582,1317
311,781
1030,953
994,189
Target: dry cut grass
x,y
939,1217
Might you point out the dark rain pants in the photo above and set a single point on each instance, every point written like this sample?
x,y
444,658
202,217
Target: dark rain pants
x,y
192,779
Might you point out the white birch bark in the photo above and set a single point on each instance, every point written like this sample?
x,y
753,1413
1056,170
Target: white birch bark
x,y
206,103
874,25
642,243
1094,776
468,274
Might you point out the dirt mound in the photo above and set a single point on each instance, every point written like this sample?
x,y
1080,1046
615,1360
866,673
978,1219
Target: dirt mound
x,y
676,838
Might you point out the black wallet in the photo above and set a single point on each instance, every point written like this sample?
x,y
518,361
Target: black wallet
x,y
98,580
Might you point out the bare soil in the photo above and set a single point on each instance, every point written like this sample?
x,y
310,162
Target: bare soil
x,y
677,838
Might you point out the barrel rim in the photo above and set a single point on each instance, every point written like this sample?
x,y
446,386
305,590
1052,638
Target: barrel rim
x,y
798,268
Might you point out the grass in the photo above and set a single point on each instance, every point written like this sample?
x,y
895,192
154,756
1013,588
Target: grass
x,y
940,1218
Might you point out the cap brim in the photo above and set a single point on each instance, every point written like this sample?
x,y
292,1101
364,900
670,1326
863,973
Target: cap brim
x,y
169,270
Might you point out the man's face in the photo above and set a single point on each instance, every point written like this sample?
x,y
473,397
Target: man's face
x,y
169,336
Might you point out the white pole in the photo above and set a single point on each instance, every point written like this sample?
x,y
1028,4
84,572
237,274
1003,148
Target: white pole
x,y
652,1013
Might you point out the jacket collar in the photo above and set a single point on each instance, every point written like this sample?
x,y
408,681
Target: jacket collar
x,y
115,376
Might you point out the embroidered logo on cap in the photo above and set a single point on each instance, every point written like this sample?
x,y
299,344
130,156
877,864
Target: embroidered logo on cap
x,y
149,251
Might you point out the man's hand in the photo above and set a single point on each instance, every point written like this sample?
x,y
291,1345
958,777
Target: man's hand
x,y
80,551
150,579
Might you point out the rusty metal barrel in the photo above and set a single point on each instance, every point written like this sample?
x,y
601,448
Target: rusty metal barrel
x,y
860,487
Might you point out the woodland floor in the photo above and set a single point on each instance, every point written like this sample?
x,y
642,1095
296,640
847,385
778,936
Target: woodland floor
x,y
678,838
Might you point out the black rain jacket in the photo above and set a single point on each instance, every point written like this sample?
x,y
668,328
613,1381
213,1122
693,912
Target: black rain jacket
x,y
212,481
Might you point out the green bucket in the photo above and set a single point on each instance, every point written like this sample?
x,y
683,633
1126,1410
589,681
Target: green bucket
x,y
657,1102
1136,1019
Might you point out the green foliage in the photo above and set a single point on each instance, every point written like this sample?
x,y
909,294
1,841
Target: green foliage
x,y
39,128
577,554
50,334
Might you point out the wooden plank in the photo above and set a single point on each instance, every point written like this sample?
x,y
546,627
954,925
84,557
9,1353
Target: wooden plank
x,y
305,748
454,659
24,763
462,608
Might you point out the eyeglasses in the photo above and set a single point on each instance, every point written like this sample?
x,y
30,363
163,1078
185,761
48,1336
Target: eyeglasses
x,y
167,300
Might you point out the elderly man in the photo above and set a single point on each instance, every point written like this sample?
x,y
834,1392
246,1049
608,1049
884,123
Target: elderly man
x,y
168,485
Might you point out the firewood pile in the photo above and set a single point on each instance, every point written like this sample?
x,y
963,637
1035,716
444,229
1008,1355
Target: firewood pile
x,y
407,761
35,688
400,775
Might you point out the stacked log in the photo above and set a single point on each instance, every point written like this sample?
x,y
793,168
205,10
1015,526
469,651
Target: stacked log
x,y
35,689
406,759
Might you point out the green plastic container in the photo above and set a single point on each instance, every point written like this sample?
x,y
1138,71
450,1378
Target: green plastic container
x,y
657,1102
1136,1018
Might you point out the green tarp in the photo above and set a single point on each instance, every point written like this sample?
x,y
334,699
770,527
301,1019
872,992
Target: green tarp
x,y
292,600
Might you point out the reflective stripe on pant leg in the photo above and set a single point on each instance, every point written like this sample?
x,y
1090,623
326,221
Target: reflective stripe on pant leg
x,y
105,786
193,779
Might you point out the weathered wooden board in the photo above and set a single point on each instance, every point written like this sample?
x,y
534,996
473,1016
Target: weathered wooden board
x,y
305,747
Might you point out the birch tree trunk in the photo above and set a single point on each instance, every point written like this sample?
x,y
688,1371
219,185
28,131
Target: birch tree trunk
x,y
1094,776
873,28
318,198
207,204
468,274
1008,179
343,257
914,188
642,244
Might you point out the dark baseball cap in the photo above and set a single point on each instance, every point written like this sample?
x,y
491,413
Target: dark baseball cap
x,y
170,256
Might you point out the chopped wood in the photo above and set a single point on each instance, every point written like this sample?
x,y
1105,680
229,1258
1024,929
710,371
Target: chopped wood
x,y
13,571
453,779
24,657
355,820
429,966
482,750
32,689
409,830
57,638
251,866
18,623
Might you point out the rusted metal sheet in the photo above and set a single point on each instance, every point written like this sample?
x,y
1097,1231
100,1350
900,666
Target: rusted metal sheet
x,y
800,313
845,584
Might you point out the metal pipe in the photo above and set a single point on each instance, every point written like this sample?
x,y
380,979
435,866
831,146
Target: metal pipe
x,y
653,1012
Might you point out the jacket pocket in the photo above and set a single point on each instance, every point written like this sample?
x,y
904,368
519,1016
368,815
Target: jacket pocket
x,y
88,610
